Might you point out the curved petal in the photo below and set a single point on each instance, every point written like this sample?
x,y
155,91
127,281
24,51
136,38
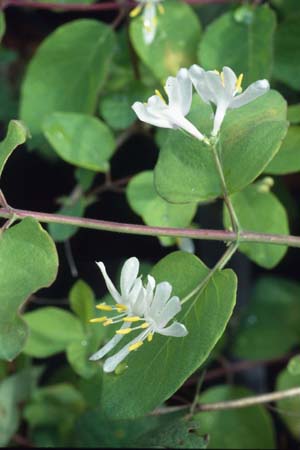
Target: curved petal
x,y
254,91
109,284
129,274
219,117
179,91
216,88
176,330
112,362
197,75
149,22
156,119
229,80
172,308
109,346
162,294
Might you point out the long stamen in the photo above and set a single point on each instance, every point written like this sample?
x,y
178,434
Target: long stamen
x,y
104,307
161,9
132,319
238,84
150,337
124,331
222,78
98,319
135,11
159,95
135,346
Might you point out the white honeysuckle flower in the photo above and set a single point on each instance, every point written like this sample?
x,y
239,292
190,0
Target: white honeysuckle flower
x,y
160,310
150,305
224,90
149,17
158,113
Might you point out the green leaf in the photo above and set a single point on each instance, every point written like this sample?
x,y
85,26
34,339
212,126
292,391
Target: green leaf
x,y
85,178
241,39
287,159
174,46
154,210
13,391
260,211
293,114
270,326
51,331
63,232
287,52
140,388
82,302
16,135
115,107
80,139
294,365
28,262
2,25
74,60
253,427
288,409
250,138
180,433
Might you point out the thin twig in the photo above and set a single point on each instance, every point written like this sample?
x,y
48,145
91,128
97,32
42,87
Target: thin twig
x,y
144,230
245,402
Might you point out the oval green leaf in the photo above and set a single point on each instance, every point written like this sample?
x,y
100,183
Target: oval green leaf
x,y
287,159
16,135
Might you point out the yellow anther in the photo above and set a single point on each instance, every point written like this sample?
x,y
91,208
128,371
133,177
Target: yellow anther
x,y
154,21
121,306
222,78
147,27
144,325
104,307
135,11
132,319
161,9
217,72
124,331
159,95
150,337
98,319
238,84
108,322
135,346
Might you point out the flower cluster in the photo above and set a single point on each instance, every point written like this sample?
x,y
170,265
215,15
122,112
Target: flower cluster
x,y
220,89
150,307
149,17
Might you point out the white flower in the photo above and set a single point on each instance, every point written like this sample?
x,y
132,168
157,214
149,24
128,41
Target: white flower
x,y
222,89
160,310
150,305
149,17
158,113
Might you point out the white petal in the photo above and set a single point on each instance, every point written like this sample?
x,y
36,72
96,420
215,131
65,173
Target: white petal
x,y
197,75
138,302
109,346
216,88
129,273
109,284
162,294
176,330
229,80
219,117
112,362
185,124
172,308
254,91
150,22
143,113
179,91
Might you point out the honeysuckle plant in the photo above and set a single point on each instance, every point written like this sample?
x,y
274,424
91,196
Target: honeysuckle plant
x,y
168,124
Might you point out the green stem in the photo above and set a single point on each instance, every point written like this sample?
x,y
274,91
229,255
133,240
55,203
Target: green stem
x,y
233,217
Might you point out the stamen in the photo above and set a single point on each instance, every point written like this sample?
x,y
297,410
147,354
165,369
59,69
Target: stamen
x,y
108,322
150,337
217,72
104,307
98,319
121,306
222,78
132,319
135,11
159,95
144,325
238,84
135,346
124,331
154,21
161,9
147,27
